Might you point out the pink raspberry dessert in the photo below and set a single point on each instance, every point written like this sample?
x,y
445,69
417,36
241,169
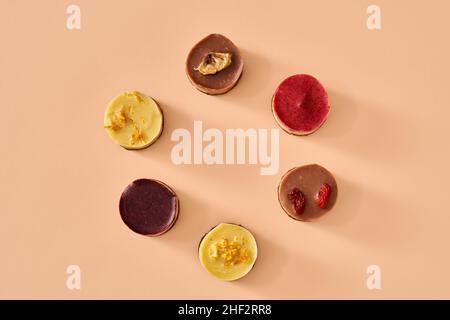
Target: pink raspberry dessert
x,y
300,104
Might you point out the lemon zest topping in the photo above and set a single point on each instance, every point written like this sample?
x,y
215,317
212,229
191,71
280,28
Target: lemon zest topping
x,y
136,94
136,135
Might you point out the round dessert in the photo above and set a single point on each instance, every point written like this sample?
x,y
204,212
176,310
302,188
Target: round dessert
x,y
300,104
307,192
214,65
228,251
149,207
133,120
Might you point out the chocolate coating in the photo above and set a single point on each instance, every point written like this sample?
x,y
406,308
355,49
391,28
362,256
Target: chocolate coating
x,y
308,179
148,207
223,80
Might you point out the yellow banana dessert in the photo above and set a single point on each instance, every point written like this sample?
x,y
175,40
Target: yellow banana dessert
x,y
133,120
228,251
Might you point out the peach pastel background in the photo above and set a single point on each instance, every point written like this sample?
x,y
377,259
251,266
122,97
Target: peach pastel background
x,y
386,141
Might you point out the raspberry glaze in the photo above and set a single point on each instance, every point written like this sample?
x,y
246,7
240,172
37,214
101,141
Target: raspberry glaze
x,y
300,104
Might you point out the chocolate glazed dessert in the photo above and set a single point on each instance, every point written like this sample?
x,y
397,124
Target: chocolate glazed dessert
x,y
149,207
306,193
214,65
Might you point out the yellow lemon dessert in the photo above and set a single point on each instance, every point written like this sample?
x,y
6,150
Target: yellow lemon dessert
x,y
228,251
133,120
